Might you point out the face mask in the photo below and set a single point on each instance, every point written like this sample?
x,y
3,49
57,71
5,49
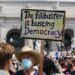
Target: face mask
x,y
26,63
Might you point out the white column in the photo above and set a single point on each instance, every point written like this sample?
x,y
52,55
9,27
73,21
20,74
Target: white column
x,y
1,22
38,45
73,43
30,43
26,42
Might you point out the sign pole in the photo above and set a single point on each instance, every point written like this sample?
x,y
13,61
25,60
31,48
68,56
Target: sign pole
x,y
41,58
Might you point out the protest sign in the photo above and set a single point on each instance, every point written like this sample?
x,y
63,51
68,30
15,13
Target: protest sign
x,y
42,24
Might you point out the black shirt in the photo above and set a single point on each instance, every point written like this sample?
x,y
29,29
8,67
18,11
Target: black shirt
x,y
21,72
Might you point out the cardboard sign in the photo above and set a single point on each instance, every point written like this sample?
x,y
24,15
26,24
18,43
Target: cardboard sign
x,y
42,24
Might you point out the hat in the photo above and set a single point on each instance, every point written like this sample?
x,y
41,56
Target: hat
x,y
28,50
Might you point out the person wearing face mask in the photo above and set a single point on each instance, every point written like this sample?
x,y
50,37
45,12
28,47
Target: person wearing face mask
x,y
6,52
28,58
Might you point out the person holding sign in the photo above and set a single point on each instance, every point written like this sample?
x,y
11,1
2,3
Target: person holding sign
x,y
28,58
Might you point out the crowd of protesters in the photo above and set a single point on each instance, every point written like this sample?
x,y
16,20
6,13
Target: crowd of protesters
x,y
26,62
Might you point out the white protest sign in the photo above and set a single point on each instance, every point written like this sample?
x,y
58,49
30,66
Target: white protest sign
x,y
42,24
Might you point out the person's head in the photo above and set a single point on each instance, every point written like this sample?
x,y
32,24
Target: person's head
x,y
70,66
49,67
28,57
6,52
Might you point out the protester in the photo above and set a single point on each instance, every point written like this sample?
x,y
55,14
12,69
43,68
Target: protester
x,y
28,58
6,52
50,68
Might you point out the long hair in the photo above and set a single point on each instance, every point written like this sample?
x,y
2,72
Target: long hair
x,y
49,66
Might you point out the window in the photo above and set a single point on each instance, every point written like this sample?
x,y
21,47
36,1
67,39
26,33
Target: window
x,y
13,38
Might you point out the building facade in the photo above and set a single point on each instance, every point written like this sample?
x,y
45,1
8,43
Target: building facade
x,y
10,23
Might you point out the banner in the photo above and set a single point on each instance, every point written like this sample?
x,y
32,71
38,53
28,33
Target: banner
x,y
42,24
